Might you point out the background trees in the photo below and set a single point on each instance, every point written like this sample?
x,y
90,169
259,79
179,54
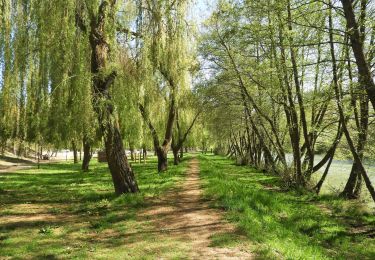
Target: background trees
x,y
282,85
82,74
283,73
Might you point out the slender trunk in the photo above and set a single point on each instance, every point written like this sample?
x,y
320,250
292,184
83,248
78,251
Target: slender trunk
x,y
364,71
37,152
176,158
75,151
350,142
87,154
324,176
310,153
348,191
144,151
291,113
353,186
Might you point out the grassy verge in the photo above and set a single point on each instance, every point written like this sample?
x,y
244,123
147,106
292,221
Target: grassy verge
x,y
58,212
286,225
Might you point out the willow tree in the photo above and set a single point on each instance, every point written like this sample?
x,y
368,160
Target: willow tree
x,y
58,69
187,114
7,101
101,29
165,56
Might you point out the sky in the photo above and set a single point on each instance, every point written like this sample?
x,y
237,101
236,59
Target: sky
x,y
201,10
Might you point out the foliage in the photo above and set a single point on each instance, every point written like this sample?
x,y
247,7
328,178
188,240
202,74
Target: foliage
x,y
80,211
285,224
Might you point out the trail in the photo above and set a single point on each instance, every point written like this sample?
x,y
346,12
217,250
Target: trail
x,y
184,215
13,168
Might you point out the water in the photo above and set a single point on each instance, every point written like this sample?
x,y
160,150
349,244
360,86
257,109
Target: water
x,y
338,175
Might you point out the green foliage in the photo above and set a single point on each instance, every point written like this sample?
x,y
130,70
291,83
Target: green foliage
x,y
81,215
284,224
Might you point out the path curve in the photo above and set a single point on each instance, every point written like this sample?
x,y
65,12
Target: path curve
x,y
185,215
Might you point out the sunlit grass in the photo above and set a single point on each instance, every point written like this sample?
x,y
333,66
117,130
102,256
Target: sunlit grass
x,y
59,212
289,225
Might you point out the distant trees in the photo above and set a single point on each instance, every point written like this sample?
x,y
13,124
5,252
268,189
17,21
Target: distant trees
x,y
166,58
283,74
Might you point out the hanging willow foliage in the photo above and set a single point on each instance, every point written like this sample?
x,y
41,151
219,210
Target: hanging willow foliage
x,y
46,80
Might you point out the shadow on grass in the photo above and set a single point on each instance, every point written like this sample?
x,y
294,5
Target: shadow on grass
x,y
283,224
61,211
14,160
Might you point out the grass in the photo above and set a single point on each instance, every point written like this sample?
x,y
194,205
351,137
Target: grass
x,y
59,212
285,225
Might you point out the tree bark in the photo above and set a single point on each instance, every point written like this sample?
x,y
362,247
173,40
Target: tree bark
x,y
132,152
177,147
319,185
350,142
176,157
122,174
162,159
161,150
353,186
144,151
290,111
365,77
87,154
75,151
310,153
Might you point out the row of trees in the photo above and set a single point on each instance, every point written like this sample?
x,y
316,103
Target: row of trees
x,y
292,77
100,72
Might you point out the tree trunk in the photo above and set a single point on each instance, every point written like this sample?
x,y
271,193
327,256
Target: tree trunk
x,y
348,191
161,150
319,185
349,140
353,186
122,174
364,71
37,152
162,159
310,153
131,153
75,151
87,154
176,158
144,151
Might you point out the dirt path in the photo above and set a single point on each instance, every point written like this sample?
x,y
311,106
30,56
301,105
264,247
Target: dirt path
x,y
12,164
14,168
185,216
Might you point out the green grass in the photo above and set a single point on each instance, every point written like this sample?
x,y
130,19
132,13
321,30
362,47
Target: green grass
x,y
286,225
59,212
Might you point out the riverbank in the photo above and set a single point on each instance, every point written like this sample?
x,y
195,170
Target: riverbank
x,y
286,224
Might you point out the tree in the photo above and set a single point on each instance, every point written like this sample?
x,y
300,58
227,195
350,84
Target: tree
x,y
165,57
